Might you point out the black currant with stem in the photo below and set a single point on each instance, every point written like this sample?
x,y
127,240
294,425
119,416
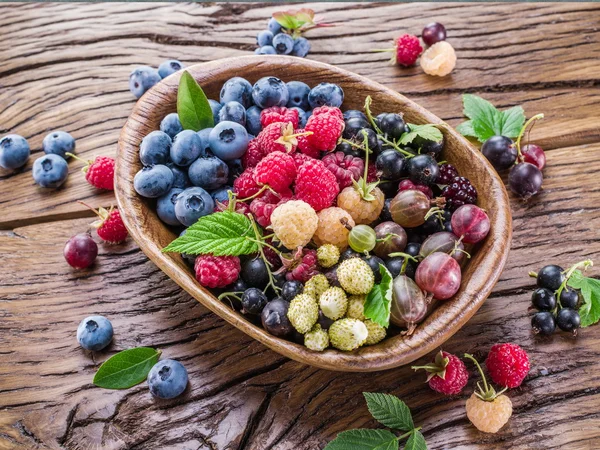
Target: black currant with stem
x,y
525,179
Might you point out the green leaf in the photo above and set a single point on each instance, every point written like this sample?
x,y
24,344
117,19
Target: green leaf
x,y
487,121
416,441
427,132
289,20
475,107
389,411
466,129
224,233
362,439
126,368
193,108
379,301
590,291
512,121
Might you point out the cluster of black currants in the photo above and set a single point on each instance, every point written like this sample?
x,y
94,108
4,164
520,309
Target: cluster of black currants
x,y
556,303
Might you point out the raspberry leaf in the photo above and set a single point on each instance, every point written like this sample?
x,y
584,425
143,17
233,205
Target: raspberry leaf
x,y
428,132
389,411
363,439
193,107
224,233
379,301
487,121
126,368
589,311
416,441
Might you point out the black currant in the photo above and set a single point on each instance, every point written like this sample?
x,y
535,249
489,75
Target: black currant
x,y
238,286
568,319
425,146
390,165
394,265
253,301
373,262
324,321
414,235
543,323
351,113
525,180
569,298
543,299
390,124
389,188
353,126
274,318
412,248
550,277
422,169
349,253
331,275
500,151
385,215
255,273
290,289
350,150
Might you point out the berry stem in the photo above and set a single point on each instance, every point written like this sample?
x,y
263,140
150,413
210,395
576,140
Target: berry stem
x,y
396,147
409,433
583,264
261,190
533,274
522,132
367,108
406,257
261,242
487,393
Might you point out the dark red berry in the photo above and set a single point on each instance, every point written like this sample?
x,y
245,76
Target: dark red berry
x,y
447,173
433,32
534,154
525,180
80,251
459,192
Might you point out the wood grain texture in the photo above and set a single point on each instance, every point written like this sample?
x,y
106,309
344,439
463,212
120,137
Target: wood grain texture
x,y
66,67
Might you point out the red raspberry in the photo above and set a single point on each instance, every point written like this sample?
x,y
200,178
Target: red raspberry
x,y
240,207
253,154
447,374
277,169
305,146
345,167
372,173
508,364
408,49
100,172
217,271
301,158
278,137
262,207
245,185
303,268
326,124
316,185
407,185
110,227
280,114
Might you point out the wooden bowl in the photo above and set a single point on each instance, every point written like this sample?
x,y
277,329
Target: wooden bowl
x,y
479,276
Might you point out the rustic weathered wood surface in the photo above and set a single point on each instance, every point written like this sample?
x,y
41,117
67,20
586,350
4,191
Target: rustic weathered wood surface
x,y
65,66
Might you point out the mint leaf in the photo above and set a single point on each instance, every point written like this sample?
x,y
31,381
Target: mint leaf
x,y
427,132
126,368
416,441
379,301
590,291
362,439
466,129
389,411
487,121
224,233
193,108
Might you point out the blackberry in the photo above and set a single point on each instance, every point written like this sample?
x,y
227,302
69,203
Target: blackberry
x,y
459,192
447,173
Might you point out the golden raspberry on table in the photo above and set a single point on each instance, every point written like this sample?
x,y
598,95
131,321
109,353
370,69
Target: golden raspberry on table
x,y
439,59
489,416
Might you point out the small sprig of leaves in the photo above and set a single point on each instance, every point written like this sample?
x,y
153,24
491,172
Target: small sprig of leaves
x,y
193,107
378,303
391,412
126,368
298,21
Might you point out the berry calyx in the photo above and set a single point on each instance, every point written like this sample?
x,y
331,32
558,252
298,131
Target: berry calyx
x,y
486,392
447,374
110,226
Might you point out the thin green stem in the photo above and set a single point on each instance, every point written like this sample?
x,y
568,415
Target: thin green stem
x,y
271,282
583,264
368,101
468,356
522,132
407,434
397,147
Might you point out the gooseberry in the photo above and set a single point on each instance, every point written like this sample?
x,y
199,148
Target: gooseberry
x,y
439,274
471,223
362,238
391,238
409,208
443,242
409,304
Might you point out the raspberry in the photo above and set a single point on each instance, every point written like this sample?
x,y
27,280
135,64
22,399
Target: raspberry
x,y
304,269
334,303
348,334
253,154
316,185
407,185
362,211
508,365
356,307
376,332
372,173
278,137
326,124
316,286
305,146
408,49
345,168
294,223
316,339
439,59
328,255
262,208
110,226
355,276
459,192
301,158
101,173
303,313
489,416
277,169
217,271
447,374
240,207
280,114
446,174
245,186
330,229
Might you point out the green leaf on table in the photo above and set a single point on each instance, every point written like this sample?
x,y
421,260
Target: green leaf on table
x,y
379,301
416,441
512,121
193,107
363,439
389,411
487,121
427,132
126,368
590,291
466,129
224,233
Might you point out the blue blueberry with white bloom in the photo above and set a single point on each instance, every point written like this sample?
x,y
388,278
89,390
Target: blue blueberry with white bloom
x,y
14,151
228,140
215,106
165,207
298,95
94,333
50,171
180,176
237,89
58,143
169,67
329,94
141,79
167,379
274,26
270,91
283,44
301,47
233,112
204,137
153,181
221,194
155,148
208,172
266,50
302,117
253,120
171,125
264,37
193,203
186,148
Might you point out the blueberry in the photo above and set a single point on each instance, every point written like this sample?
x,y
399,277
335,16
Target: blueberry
x,y
186,148
14,151
326,94
180,176
551,277
390,124
58,143
302,118
283,44
350,113
255,273
204,138
237,89
192,204
155,148
169,67
298,95
153,181
208,172
270,91
274,26
50,171
235,169
165,207
171,125
141,79
264,37
290,289
228,140
221,194
301,47
233,112
94,333
266,50
253,301
253,120
167,379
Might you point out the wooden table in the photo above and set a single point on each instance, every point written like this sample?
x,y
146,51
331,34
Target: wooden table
x,y
65,66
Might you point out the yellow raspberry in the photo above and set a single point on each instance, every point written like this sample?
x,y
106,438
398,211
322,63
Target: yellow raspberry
x,y
347,334
489,416
294,223
303,313
376,332
333,302
356,307
439,59
362,211
316,339
331,230
355,276
328,255
316,286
